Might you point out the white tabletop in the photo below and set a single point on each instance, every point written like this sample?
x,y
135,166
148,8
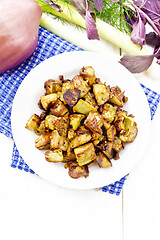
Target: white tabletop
x,y
32,208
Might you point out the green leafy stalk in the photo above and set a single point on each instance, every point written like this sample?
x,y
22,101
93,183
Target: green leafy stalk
x,y
113,13
68,13
105,30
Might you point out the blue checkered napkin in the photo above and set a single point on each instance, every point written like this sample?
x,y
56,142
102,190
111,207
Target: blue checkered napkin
x,y
153,99
18,162
48,46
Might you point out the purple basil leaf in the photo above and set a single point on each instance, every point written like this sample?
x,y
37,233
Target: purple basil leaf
x,y
138,33
82,6
152,9
53,5
152,39
98,4
137,64
91,28
85,8
157,53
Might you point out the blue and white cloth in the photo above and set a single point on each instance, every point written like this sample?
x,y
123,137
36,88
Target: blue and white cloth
x,y
48,45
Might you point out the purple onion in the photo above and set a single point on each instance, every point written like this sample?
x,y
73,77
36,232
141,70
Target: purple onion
x,y
19,21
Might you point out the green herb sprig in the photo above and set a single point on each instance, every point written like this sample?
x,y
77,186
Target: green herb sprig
x,y
112,13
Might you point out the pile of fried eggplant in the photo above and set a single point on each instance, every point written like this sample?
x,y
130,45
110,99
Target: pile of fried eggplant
x,y
82,122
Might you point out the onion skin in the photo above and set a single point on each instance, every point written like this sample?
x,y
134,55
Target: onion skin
x,y
19,21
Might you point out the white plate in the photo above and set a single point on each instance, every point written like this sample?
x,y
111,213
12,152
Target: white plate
x,y
69,64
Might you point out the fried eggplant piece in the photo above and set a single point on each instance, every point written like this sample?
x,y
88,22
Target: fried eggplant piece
x,y
75,120
60,124
81,85
97,80
116,96
54,155
82,130
50,121
101,92
75,171
130,132
109,112
65,86
43,115
88,74
40,105
116,156
97,138
48,100
43,141
83,107
128,121
94,122
57,141
111,132
120,126
120,114
103,161
71,96
89,97
71,133
80,139
70,155
106,124
42,128
107,149
59,109
69,158
119,120
117,144
33,123
52,86
85,154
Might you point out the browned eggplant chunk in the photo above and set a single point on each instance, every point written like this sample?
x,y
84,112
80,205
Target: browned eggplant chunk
x,y
103,161
54,155
71,96
94,122
75,171
43,141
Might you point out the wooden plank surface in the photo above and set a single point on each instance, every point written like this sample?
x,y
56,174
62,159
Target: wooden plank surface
x,y
141,196
32,208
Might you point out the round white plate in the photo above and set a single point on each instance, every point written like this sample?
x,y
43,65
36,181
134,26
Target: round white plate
x,y
68,64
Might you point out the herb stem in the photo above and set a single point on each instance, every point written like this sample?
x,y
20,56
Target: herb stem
x,y
105,30
148,19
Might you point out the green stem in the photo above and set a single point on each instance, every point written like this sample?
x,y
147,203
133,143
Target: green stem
x,y
105,31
